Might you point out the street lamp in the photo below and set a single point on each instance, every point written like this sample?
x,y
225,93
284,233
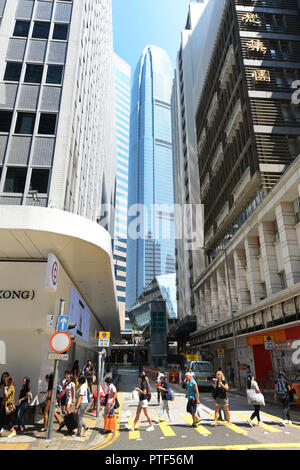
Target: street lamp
x,y
231,308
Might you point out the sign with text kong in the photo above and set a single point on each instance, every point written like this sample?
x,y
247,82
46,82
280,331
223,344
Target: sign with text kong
x,y
52,269
104,339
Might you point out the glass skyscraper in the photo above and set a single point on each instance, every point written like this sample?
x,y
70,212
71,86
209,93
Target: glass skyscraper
x,y
151,181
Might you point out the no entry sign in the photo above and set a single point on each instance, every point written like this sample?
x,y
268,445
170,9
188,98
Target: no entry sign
x,y
60,342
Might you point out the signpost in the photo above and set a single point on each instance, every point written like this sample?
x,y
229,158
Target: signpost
x,y
103,342
63,323
269,342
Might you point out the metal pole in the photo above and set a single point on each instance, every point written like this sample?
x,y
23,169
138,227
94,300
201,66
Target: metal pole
x,y
232,318
98,383
53,396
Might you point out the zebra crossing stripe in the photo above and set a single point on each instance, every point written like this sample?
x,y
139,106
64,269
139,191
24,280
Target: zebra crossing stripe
x,y
275,418
265,426
200,429
166,428
133,434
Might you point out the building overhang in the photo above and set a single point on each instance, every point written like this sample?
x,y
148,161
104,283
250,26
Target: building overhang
x,y
82,246
183,327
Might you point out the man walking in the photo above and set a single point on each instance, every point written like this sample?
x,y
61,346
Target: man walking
x,y
281,394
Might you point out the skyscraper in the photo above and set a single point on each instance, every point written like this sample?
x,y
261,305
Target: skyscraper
x,y
150,174
122,72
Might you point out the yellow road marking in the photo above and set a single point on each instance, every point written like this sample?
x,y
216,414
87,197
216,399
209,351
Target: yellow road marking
x,y
241,447
265,426
200,429
231,426
275,418
165,428
136,433
16,446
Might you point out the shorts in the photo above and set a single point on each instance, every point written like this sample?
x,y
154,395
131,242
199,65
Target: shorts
x,y
222,401
69,401
143,403
191,406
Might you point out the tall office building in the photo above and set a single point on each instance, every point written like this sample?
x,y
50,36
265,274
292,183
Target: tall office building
x,y
122,73
150,174
57,167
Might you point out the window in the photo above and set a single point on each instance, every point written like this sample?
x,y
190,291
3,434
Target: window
x,y
39,180
296,205
13,71
25,123
5,120
54,74
15,180
41,30
33,73
60,31
47,124
21,29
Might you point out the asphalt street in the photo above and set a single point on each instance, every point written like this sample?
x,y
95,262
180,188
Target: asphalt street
x,y
180,435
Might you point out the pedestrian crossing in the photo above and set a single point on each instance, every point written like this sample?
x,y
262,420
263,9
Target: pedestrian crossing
x,y
240,426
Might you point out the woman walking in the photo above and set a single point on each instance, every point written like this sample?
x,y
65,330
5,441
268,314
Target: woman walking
x,y
23,402
69,387
81,406
192,394
143,391
4,376
220,389
48,403
9,404
164,390
89,373
252,385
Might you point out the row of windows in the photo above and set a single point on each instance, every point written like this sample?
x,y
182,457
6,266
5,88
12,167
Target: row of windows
x,y
41,30
33,73
16,178
26,121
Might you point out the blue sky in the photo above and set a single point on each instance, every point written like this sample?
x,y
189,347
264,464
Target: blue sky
x,y
137,23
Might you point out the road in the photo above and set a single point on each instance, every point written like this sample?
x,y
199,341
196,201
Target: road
x,y
179,435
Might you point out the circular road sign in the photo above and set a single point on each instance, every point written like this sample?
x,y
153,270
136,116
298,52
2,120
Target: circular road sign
x,y
60,342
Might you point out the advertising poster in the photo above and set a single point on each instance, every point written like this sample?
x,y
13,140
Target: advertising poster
x,y
80,315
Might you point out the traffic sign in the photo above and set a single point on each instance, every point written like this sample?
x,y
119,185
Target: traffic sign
x,y
63,323
60,342
220,352
104,339
269,341
104,334
58,357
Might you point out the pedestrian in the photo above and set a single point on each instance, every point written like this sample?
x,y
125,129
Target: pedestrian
x,y
158,383
230,373
62,398
143,391
9,404
4,376
192,394
253,385
48,403
281,395
148,383
81,406
69,387
23,403
111,401
75,372
220,389
166,397
89,373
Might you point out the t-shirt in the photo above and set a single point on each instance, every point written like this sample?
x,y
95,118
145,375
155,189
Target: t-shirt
x,y
82,391
69,387
111,391
221,392
11,396
143,387
191,392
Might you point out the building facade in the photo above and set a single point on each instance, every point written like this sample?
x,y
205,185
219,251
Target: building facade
x,y
248,139
57,167
150,244
122,74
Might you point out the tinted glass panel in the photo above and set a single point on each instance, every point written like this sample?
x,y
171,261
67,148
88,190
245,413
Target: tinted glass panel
x,y
41,30
25,123
15,180
13,71
39,180
21,29
54,74
33,73
47,124
5,120
60,31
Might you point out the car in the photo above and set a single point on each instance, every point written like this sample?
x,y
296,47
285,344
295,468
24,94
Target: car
x,y
203,371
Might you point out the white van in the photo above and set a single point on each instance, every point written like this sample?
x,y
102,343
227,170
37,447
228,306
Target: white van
x,y
203,371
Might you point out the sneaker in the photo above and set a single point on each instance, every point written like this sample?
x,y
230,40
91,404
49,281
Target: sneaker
x,y
85,431
194,425
130,428
12,434
250,423
290,422
157,421
76,436
150,428
283,423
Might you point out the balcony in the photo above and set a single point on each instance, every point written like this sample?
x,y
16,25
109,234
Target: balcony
x,y
212,109
234,122
223,213
201,141
217,159
242,185
227,67
205,186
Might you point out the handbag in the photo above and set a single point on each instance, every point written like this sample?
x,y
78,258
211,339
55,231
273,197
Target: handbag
x,y
255,398
135,395
117,404
110,421
9,409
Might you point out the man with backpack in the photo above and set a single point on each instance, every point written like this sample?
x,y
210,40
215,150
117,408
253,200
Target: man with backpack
x,y
166,396
282,389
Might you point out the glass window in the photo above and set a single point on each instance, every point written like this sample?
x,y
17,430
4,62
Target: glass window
x,y
54,74
202,367
60,31
21,29
25,123
5,120
13,71
33,73
47,124
15,180
39,180
41,29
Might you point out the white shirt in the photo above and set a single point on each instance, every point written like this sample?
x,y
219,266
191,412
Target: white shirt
x,y
82,391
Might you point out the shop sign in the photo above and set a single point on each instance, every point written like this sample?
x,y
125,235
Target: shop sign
x,y
52,272
17,294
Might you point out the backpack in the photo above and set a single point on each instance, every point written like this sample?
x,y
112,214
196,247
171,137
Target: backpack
x,y
281,390
170,394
